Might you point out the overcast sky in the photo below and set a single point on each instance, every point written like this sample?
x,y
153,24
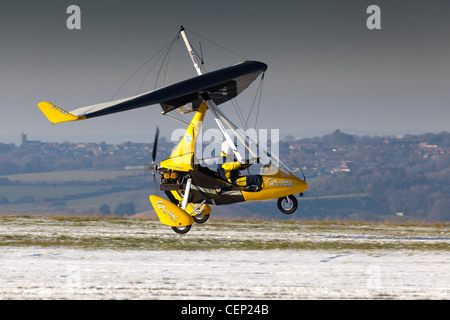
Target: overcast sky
x,y
326,69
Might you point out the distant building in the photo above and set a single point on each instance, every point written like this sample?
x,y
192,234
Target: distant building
x,y
30,145
343,167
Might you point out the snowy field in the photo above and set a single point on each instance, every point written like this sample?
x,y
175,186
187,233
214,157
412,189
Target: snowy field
x,y
59,258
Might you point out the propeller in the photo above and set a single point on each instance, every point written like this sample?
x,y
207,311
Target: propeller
x,y
154,167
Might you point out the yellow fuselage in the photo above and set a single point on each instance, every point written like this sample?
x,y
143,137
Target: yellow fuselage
x,y
277,182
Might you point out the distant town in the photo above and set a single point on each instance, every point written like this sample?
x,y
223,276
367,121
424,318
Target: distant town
x,y
329,154
364,177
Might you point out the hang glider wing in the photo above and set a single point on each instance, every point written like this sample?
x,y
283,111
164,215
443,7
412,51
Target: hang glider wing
x,y
222,85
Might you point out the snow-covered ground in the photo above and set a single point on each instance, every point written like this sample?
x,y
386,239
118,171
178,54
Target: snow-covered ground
x,y
71,272
59,273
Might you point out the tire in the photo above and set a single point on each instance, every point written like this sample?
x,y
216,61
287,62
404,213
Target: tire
x,y
288,204
181,230
201,218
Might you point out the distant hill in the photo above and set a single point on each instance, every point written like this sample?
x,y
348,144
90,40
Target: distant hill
x,y
351,177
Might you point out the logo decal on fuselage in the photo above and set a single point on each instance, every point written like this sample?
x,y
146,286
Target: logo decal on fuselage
x,y
280,183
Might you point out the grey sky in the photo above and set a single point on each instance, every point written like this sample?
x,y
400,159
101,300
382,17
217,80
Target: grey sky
x,y
326,70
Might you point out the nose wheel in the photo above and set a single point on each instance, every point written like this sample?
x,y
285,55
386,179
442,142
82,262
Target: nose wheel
x,y
288,204
181,230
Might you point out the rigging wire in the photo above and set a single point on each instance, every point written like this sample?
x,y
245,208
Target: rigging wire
x,y
175,40
216,44
148,72
171,50
174,117
238,112
259,90
259,99
134,73
201,52
170,61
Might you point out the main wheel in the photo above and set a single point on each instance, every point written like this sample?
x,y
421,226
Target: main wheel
x,y
200,218
182,230
288,204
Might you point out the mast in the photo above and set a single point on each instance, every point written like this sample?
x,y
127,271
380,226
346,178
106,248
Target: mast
x,y
209,102
191,52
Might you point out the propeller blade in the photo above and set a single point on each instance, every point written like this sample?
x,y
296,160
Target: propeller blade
x,y
156,185
155,144
148,167
153,167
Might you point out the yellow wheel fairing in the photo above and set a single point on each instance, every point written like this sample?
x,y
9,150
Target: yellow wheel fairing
x,y
169,213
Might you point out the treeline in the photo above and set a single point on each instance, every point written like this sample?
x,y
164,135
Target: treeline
x,y
408,175
418,195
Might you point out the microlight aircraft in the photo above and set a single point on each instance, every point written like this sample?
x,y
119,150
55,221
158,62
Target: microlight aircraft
x,y
189,187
